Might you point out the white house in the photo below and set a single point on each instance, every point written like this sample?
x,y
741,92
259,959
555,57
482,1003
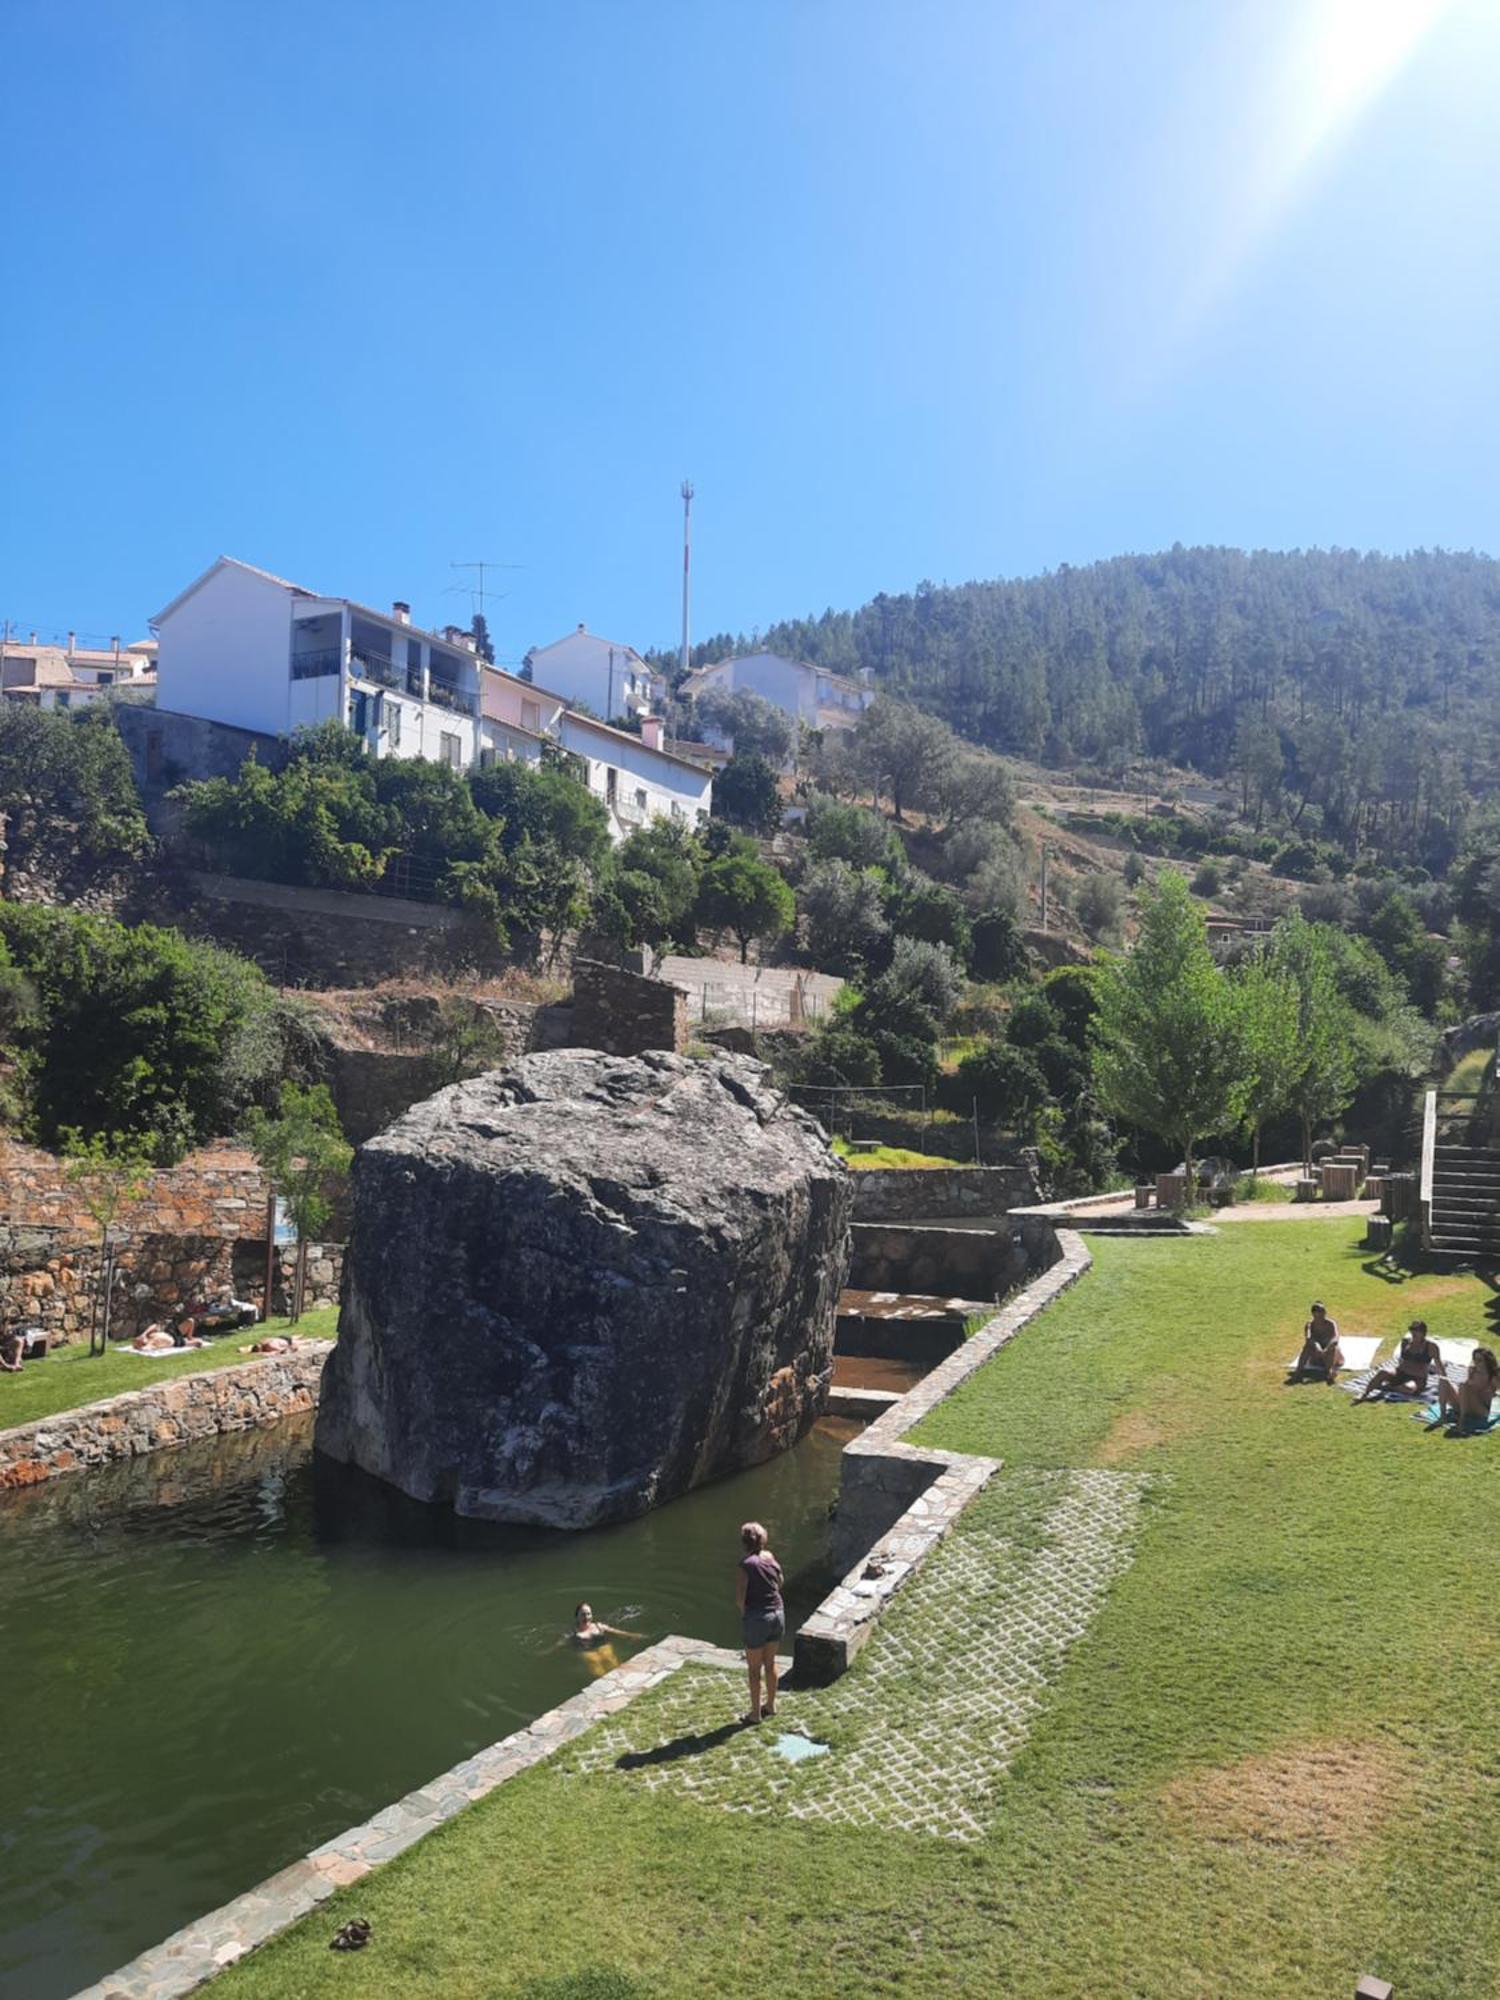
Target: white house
x,y
243,647
612,679
808,694
637,777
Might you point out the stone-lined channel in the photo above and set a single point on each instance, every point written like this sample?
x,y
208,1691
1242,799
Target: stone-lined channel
x,y
217,1657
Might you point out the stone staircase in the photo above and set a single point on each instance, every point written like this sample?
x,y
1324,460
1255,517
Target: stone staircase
x,y
1465,1219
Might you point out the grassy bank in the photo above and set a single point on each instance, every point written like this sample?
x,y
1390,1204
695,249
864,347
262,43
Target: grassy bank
x,y
71,1376
1263,1764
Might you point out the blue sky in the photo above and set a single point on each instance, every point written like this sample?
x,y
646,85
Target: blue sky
x,y
948,288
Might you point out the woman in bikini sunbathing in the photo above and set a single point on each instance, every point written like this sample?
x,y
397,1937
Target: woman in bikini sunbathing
x,y
1416,1360
1321,1354
1468,1405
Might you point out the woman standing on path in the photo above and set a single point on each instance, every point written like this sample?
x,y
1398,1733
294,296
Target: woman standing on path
x,y
762,1616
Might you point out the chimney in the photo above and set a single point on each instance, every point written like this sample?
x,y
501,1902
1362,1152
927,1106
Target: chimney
x,y
114,646
581,626
72,642
401,612
651,728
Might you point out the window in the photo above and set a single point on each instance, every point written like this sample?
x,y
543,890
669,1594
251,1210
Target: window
x,y
611,783
640,797
677,812
531,717
359,711
448,750
393,723
486,759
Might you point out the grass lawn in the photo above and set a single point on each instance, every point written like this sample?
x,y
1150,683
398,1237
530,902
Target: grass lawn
x,y
1266,1762
71,1376
887,1156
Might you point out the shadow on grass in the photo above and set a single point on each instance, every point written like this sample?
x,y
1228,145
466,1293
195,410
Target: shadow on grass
x,y
679,1747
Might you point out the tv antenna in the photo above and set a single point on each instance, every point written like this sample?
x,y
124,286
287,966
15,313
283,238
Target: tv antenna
x,y
476,590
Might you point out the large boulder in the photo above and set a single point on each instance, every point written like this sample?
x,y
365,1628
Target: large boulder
x,y
579,1287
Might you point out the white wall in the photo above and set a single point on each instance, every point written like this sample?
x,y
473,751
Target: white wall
x,y
225,653
579,667
664,780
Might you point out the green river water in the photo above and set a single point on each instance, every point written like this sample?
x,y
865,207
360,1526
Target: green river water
x,y
215,1658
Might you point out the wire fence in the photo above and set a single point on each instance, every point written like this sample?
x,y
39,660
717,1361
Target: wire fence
x,y
718,1004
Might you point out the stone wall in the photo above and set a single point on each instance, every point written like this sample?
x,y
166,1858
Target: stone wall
x,y
217,1191
50,1280
624,1013
198,1226
930,1194
953,1263
329,937
162,1414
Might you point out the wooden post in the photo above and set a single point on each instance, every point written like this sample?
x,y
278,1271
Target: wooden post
x,y
265,1304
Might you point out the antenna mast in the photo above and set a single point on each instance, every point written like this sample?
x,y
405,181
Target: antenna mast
x,y
687,572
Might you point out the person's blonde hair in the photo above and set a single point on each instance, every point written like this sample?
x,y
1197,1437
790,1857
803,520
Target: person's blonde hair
x,y
754,1537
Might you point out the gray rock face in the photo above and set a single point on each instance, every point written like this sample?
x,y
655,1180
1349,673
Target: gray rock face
x,y
578,1288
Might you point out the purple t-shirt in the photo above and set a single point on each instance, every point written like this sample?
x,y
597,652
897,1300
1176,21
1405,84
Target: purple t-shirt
x,y
762,1583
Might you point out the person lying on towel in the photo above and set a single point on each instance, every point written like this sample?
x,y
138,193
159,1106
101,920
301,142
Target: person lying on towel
x,y
1321,1354
1415,1362
1468,1405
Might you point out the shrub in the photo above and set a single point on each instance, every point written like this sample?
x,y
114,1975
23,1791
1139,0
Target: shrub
x,y
1006,1082
746,794
139,1032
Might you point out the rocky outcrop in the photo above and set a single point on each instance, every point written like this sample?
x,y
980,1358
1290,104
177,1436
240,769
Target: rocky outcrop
x,y
582,1286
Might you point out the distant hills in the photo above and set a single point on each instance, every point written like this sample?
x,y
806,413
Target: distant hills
x,y
1340,684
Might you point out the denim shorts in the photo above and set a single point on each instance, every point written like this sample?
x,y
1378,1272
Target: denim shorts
x,y
761,1627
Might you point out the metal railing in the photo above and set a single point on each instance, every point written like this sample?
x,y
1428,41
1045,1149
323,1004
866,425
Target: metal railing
x,y
373,667
1429,1149
446,695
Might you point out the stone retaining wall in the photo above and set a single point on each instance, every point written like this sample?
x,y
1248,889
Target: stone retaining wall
x,y
198,1226
929,1194
178,1411
925,1257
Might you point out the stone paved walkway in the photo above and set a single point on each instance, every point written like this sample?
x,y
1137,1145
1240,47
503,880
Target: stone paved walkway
x,y
925,1726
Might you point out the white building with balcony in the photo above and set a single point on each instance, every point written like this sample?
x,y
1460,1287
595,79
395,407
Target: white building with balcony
x,y
243,647
611,678
637,777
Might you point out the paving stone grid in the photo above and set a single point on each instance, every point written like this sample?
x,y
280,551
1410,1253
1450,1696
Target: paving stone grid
x,y
924,1731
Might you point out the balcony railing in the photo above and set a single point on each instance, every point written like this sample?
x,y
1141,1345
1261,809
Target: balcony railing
x,y
372,667
315,666
446,695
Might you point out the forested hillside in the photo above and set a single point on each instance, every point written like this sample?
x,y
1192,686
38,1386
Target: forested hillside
x,y
1361,693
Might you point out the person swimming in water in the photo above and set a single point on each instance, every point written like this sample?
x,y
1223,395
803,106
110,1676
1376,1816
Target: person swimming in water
x,y
593,1639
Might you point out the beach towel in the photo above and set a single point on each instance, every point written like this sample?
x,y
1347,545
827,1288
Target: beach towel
x,y
1432,1413
156,1353
1359,1350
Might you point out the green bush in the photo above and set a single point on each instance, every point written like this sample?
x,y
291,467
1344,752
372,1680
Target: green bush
x,y
71,774
139,1031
